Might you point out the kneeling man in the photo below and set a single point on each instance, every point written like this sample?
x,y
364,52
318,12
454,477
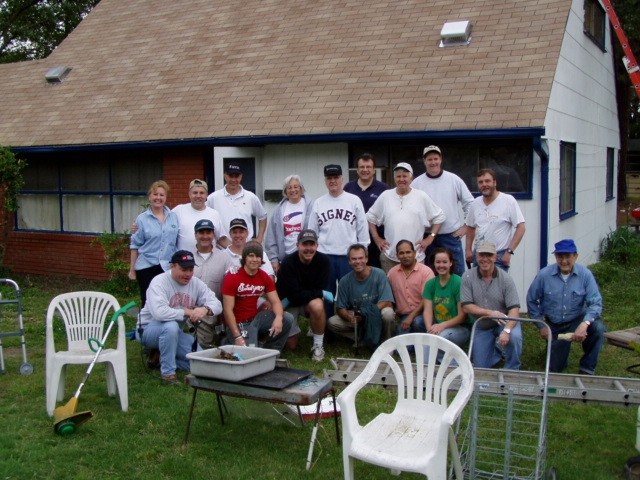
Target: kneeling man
x,y
172,297
488,291
566,296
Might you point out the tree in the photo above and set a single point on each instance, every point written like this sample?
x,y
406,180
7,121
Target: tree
x,y
31,29
11,182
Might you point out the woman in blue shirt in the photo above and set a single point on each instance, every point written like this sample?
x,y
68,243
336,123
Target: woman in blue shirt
x,y
155,240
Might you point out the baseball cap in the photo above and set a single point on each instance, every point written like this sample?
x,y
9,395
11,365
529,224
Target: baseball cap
x,y
238,222
183,258
431,148
233,168
332,170
565,246
307,235
486,247
404,166
204,224
196,182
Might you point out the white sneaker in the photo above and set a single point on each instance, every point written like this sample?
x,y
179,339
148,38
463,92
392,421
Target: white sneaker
x,y
317,353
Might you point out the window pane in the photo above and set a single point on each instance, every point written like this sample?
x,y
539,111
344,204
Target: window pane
x,y
86,213
567,177
610,172
41,175
38,212
85,175
594,22
125,210
136,174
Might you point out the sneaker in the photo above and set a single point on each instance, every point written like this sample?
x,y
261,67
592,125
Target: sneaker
x,y
317,353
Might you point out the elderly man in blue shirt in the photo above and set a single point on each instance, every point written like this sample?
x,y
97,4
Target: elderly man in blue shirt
x,y
567,298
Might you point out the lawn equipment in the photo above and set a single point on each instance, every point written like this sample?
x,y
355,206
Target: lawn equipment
x,y
66,418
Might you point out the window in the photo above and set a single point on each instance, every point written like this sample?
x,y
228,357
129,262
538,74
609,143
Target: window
x,y
567,180
610,173
595,22
511,160
85,192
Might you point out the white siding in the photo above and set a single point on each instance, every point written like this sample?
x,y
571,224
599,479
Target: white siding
x,y
582,110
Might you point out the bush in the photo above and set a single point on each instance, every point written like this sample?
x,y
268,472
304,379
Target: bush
x,y
116,262
621,246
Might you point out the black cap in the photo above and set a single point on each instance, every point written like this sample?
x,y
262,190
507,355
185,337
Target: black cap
x,y
238,222
332,170
233,168
184,258
204,224
307,235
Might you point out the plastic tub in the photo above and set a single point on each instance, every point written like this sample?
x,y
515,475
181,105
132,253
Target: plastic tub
x,y
255,361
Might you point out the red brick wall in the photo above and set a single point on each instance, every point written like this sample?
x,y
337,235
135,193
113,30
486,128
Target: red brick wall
x,y
64,254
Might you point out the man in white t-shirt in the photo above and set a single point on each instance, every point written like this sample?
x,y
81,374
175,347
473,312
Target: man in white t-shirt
x,y
494,217
233,201
339,220
189,214
452,195
405,213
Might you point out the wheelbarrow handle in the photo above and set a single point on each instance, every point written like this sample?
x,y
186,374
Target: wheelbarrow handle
x,y
94,343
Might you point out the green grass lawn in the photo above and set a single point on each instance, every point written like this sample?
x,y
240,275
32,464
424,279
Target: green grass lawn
x,y
585,441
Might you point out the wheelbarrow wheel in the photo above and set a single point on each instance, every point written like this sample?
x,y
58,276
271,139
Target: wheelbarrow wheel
x,y
632,469
551,474
26,369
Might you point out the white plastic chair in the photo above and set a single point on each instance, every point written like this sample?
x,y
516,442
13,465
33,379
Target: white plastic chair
x,y
414,437
84,315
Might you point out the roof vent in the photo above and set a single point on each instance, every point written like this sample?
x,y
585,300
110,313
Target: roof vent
x,y
455,33
57,74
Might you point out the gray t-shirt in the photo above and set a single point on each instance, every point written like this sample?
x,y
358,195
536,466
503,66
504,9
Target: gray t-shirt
x,y
500,294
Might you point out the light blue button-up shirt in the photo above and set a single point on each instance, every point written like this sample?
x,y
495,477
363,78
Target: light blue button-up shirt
x,y
564,301
156,242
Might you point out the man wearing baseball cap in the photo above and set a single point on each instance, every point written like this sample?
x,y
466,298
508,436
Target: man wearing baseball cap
x,y
488,291
233,201
339,220
452,195
566,296
302,281
173,296
405,213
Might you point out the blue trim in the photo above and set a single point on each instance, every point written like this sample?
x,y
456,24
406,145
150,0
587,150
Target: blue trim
x,y
306,138
567,215
544,200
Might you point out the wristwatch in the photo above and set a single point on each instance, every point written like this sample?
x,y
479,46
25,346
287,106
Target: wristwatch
x,y
511,252
588,322
507,330
432,235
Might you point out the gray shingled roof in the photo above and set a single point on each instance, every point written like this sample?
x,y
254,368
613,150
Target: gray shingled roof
x,y
158,69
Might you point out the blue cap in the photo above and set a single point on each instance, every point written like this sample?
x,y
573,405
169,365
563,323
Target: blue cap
x,y
565,246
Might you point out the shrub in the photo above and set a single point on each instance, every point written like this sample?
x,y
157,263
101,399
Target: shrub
x,y
116,262
621,246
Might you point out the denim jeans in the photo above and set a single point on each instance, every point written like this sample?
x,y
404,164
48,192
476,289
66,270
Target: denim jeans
x,y
173,343
258,329
591,347
339,268
451,243
486,352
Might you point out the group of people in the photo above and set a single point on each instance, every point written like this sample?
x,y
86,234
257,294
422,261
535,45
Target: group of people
x,y
364,260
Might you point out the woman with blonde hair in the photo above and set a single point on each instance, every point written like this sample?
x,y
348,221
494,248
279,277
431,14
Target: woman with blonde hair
x,y
155,240
288,220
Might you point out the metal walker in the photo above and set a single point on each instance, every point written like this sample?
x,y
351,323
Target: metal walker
x,y
25,368
504,438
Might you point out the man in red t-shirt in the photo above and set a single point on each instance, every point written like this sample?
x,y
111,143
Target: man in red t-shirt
x,y
240,293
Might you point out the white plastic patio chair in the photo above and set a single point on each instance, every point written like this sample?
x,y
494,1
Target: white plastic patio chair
x,y
84,315
414,437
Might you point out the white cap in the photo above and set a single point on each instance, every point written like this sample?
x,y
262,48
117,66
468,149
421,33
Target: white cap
x,y
405,166
431,148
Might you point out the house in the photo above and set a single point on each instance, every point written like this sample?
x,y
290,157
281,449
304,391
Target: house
x,y
173,90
